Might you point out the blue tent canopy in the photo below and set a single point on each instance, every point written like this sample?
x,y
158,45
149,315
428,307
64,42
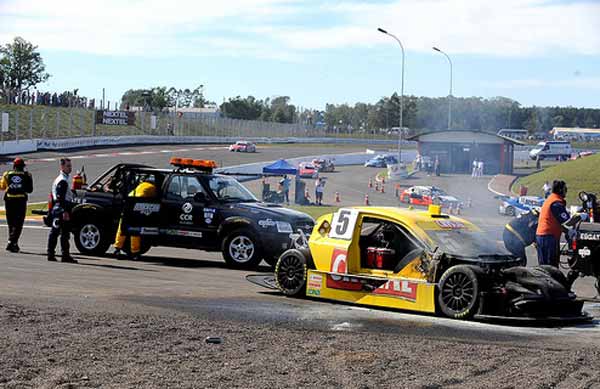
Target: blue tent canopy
x,y
280,167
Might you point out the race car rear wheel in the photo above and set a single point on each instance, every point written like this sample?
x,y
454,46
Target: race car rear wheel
x,y
510,211
290,273
241,249
458,294
91,238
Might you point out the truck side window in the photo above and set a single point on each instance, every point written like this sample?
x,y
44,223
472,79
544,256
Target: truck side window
x,y
174,189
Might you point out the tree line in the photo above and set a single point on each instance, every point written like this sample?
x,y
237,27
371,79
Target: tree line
x,y
419,113
22,69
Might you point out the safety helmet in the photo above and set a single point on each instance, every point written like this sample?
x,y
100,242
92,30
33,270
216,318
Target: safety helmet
x,y
19,162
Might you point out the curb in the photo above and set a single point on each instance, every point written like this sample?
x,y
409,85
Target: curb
x,y
498,193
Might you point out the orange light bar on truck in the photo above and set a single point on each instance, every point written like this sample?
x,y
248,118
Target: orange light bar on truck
x,y
202,164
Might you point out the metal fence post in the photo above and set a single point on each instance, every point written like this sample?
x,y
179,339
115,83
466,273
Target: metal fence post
x,y
31,123
81,132
93,123
17,125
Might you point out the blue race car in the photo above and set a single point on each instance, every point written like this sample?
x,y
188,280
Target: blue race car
x,y
515,206
381,161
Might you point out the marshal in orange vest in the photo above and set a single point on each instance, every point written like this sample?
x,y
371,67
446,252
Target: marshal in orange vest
x,y
548,225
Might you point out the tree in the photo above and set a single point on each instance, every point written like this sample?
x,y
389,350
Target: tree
x,y
186,97
21,67
248,108
153,99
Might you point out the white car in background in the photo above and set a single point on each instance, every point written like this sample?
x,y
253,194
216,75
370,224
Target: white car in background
x,y
560,150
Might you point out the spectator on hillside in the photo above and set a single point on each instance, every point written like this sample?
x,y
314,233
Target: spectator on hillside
x,y
547,189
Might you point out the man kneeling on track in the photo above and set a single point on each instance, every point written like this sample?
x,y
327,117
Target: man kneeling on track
x,y
145,189
520,233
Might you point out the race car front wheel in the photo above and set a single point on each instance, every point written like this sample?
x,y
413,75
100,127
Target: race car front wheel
x,y
458,294
241,249
290,273
91,238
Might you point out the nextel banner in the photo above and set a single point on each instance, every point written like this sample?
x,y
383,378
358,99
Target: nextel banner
x,y
115,118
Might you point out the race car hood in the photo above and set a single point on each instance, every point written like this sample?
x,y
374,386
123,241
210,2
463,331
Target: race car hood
x,y
275,211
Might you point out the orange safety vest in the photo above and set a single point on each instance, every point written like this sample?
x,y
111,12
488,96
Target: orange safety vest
x,y
548,225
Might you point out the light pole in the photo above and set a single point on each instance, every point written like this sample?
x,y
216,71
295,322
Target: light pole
x,y
450,95
401,94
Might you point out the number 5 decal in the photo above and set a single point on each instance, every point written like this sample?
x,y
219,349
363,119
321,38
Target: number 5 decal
x,y
343,223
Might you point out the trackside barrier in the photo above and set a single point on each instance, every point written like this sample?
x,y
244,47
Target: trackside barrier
x,y
32,145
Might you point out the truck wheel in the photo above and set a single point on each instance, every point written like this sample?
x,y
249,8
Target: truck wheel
x,y
92,238
241,249
290,273
458,294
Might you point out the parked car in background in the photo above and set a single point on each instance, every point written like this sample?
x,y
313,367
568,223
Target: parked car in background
x,y
323,165
560,150
243,147
515,206
307,170
428,195
381,161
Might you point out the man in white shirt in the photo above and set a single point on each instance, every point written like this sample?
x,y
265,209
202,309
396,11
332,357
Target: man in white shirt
x,y
60,213
474,172
480,168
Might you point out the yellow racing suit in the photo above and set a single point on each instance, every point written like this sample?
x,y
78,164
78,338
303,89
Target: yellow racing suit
x,y
143,190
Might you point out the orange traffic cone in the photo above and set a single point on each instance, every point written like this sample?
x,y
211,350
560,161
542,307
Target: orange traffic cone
x,y
370,182
397,190
337,197
367,199
382,188
383,179
376,186
306,194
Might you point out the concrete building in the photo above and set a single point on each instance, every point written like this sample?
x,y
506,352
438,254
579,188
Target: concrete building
x,y
457,149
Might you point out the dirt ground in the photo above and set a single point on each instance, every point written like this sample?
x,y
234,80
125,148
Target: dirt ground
x,y
63,348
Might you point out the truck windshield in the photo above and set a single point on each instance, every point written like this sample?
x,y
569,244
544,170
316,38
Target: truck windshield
x,y
228,189
470,244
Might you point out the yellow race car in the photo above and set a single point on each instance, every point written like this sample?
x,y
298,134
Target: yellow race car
x,y
421,261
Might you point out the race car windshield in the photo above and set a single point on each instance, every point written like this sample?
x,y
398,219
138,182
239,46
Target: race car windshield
x,y
471,244
228,189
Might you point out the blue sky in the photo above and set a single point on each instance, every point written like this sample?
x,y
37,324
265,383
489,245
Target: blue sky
x,y
539,52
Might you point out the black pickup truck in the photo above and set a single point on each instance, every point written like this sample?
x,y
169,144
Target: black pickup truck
x,y
194,209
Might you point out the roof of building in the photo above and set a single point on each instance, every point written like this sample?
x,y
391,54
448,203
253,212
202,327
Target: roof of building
x,y
445,133
575,130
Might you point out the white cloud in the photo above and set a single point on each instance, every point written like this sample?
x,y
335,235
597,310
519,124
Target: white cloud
x,y
284,29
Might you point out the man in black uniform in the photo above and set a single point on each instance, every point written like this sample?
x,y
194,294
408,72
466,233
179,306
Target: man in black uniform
x,y
60,213
17,183
520,233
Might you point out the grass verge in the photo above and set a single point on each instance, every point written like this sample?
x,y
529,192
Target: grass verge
x,y
579,175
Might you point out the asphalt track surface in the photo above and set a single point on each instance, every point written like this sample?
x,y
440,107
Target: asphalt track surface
x,y
170,281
